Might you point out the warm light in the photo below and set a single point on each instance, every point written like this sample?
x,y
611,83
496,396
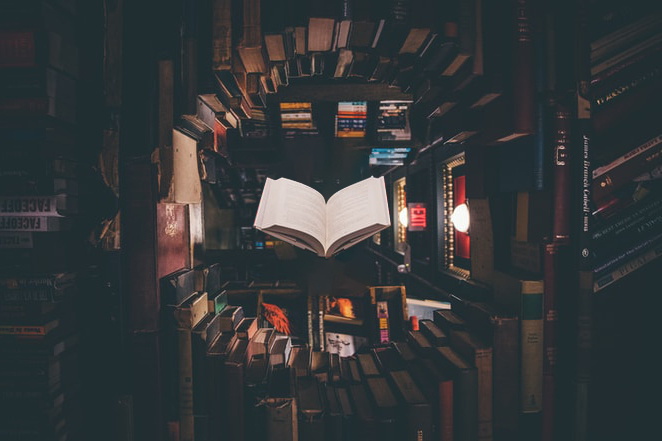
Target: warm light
x,y
460,218
403,218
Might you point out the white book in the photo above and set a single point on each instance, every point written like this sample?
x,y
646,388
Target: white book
x,y
299,215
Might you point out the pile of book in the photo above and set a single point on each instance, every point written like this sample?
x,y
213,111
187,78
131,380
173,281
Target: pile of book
x,y
351,119
297,119
393,121
625,65
45,216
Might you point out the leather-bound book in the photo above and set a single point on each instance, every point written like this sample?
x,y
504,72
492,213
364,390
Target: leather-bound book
x,y
311,410
561,145
386,407
416,410
365,422
465,393
216,355
435,335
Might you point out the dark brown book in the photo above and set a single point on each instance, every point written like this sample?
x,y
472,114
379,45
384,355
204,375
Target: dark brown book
x,y
233,383
465,393
552,278
319,365
333,417
501,330
222,15
437,386
416,410
215,359
365,420
246,297
149,420
246,328
435,335
420,343
300,360
479,354
282,419
367,365
388,359
448,320
385,406
310,407
139,241
230,318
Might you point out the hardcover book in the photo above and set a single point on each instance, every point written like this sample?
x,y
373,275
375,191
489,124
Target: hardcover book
x,y
299,215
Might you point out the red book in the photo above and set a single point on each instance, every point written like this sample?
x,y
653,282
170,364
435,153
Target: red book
x,y
172,227
561,173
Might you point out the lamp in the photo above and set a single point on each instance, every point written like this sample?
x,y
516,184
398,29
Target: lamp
x,y
460,217
403,217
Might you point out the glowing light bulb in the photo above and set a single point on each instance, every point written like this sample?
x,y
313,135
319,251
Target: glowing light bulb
x,y
402,217
460,218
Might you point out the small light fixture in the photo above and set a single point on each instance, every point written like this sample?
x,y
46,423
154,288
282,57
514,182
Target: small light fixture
x,y
460,217
403,218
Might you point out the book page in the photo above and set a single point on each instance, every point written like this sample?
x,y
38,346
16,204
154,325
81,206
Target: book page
x,y
355,208
292,205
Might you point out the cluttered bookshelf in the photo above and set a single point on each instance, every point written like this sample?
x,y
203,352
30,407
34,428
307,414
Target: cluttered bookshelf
x,y
518,145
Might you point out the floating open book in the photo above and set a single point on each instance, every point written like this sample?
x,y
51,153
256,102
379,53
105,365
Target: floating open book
x,y
299,215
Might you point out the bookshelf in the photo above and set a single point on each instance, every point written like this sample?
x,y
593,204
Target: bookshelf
x,y
496,127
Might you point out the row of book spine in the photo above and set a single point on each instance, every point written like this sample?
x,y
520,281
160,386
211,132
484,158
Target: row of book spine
x,y
47,211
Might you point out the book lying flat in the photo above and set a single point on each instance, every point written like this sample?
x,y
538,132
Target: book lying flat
x,y
299,215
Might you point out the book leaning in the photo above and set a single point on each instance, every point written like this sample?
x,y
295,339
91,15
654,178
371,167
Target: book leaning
x,y
299,215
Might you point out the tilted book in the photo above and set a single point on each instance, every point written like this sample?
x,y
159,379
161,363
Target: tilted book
x,y
298,214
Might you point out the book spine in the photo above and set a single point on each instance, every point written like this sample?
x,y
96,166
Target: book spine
x,y
624,172
584,333
626,268
45,206
602,266
148,420
465,402
37,294
635,232
625,219
523,70
638,99
483,361
506,376
611,95
34,223
24,331
445,419
531,350
561,168
550,345
185,358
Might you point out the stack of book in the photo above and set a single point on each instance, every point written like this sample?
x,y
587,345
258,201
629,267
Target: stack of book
x,y
297,119
45,216
625,67
351,119
393,121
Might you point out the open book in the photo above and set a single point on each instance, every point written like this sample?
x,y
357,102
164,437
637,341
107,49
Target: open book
x,y
299,215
